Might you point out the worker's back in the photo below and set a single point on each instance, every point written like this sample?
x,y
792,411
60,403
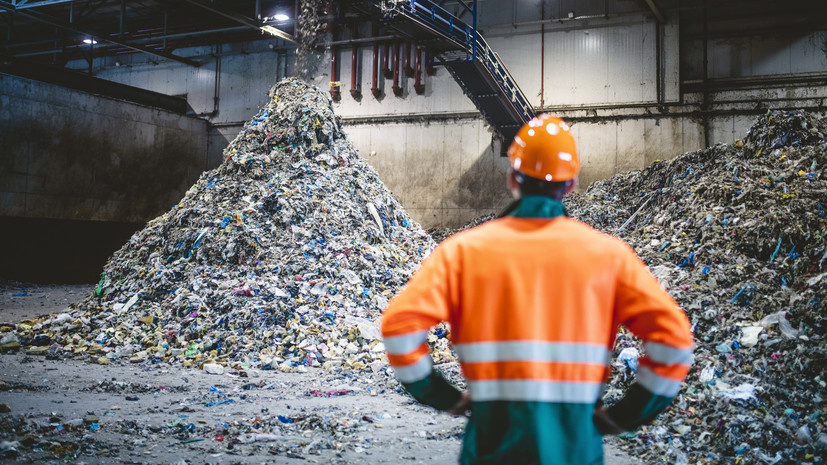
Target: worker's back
x,y
534,306
535,279
533,327
534,301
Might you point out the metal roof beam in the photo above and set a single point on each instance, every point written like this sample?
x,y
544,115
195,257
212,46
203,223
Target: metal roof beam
x,y
246,21
143,40
70,27
23,4
656,11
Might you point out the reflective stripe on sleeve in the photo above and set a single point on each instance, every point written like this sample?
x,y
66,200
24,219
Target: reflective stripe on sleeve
x,y
676,372
414,372
667,355
402,344
538,351
409,358
657,384
535,391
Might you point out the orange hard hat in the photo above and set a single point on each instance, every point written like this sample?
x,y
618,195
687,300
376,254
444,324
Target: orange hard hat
x,y
544,149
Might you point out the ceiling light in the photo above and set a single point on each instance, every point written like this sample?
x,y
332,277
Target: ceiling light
x,y
281,17
90,41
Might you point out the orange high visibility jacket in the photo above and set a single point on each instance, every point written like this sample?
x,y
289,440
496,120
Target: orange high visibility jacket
x,y
534,306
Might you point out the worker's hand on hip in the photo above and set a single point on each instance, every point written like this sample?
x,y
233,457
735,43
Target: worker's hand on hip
x,y
462,406
604,422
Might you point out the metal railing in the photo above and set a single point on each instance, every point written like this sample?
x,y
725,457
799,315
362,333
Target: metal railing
x,y
466,36
497,69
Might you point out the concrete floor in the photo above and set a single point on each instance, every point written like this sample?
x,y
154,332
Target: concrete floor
x,y
136,405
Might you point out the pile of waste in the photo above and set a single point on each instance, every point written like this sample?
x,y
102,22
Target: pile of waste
x,y
440,234
282,257
736,233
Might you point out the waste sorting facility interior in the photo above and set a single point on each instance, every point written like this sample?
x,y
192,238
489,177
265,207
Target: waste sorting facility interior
x,y
110,110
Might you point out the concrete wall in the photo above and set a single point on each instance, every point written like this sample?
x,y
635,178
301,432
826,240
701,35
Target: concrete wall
x,y
80,173
443,172
67,154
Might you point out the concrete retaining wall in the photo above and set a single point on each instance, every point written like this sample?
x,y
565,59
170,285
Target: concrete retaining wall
x,y
67,154
80,173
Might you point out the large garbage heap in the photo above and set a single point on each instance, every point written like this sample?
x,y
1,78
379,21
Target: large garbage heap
x,y
283,257
736,233
439,234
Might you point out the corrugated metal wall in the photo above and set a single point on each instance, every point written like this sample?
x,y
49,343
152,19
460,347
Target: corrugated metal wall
x,y
769,55
248,71
603,65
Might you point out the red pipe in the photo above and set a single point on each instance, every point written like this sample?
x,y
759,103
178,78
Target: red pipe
x,y
354,61
386,69
397,91
408,69
335,94
418,86
375,74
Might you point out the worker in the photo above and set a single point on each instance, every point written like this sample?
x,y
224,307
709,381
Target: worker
x,y
534,300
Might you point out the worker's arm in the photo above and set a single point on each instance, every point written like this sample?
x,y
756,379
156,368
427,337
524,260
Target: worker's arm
x,y
423,303
651,314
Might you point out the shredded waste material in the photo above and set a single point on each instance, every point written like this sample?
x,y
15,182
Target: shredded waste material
x,y
736,233
281,258
440,234
159,414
